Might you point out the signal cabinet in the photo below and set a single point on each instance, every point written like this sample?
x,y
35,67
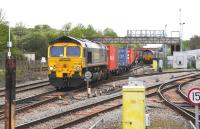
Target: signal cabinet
x,y
133,109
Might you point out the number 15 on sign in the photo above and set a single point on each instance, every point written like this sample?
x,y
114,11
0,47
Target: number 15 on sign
x,y
194,96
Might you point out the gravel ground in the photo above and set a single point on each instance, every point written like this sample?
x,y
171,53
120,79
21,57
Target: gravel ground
x,y
30,93
161,118
193,84
110,119
36,115
165,118
157,111
114,116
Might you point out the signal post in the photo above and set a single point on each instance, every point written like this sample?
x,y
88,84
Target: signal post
x,y
10,89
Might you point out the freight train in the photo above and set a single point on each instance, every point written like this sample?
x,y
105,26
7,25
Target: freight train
x,y
69,58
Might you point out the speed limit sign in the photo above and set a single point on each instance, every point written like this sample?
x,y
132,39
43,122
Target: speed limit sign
x,y
194,96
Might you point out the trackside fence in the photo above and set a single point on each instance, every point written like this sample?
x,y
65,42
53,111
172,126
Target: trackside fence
x,y
25,71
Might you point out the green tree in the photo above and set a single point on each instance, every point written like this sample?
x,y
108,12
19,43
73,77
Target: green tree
x,y
78,31
185,45
45,30
108,32
90,32
3,36
51,35
19,31
36,42
66,28
194,42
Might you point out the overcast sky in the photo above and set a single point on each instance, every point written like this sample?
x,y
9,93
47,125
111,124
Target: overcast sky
x,y
119,15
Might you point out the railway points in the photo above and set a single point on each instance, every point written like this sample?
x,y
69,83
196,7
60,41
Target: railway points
x,y
111,92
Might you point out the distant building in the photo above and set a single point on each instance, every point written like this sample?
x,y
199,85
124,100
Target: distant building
x,y
30,56
187,59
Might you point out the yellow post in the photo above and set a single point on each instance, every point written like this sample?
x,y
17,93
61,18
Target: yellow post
x,y
133,109
155,65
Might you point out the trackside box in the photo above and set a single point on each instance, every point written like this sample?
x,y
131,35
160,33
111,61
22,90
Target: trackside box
x,y
133,109
131,56
123,57
112,58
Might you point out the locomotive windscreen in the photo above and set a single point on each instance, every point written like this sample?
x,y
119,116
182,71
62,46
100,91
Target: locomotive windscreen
x,y
57,51
73,51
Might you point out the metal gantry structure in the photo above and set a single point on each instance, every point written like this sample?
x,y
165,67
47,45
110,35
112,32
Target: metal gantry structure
x,y
140,37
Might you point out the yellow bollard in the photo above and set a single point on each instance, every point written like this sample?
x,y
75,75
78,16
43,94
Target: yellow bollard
x,y
133,109
155,65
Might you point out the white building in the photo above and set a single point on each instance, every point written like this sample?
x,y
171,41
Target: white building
x,y
30,56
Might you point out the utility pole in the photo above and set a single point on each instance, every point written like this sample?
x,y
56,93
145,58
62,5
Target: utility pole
x,y
165,48
181,30
10,95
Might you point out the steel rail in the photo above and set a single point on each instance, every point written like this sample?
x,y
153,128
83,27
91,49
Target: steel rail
x,y
55,116
28,87
24,101
76,109
184,112
155,87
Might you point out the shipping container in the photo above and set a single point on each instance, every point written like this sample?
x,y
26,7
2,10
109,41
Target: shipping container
x,y
131,56
112,58
123,57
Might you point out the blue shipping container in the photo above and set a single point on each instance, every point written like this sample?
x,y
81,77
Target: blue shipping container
x,y
123,56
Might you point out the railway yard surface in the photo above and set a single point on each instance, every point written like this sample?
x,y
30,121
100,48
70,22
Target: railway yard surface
x,y
41,106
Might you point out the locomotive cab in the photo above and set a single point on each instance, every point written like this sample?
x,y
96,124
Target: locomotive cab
x,y
65,61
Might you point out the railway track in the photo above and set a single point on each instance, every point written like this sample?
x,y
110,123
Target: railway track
x,y
30,102
183,110
26,87
22,105
152,90
65,115
34,101
78,114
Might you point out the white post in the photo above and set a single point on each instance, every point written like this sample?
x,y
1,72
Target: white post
x,y
9,44
197,116
88,89
180,33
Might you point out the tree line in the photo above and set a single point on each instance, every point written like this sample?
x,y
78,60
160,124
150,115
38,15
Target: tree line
x,y
36,39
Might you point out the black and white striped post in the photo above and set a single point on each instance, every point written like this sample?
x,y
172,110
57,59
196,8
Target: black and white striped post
x,y
88,74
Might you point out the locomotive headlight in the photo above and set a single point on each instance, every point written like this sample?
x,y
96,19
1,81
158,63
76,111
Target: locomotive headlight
x,y
52,68
78,68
